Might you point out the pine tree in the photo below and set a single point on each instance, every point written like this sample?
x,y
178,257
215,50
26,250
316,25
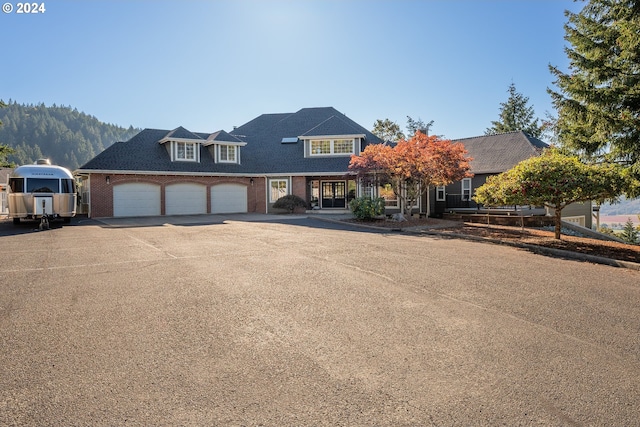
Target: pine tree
x,y
5,150
515,115
65,136
418,125
598,100
387,130
629,232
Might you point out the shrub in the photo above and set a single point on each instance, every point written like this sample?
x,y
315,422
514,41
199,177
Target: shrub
x,y
367,208
290,202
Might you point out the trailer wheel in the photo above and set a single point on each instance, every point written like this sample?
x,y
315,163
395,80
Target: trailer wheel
x,y
16,221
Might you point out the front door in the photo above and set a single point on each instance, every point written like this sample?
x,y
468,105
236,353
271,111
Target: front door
x,y
334,194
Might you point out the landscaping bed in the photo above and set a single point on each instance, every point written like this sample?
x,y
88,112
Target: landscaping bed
x,y
531,236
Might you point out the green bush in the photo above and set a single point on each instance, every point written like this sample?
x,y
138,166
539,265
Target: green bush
x,y
367,208
290,202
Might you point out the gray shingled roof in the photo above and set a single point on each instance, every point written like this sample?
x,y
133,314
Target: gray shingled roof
x,y
221,136
181,132
499,153
264,153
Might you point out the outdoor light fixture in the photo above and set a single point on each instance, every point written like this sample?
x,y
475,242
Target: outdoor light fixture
x,y
251,181
108,179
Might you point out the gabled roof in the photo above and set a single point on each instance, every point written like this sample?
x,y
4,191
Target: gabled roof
x,y
264,152
143,153
498,153
265,133
222,136
181,133
334,125
323,121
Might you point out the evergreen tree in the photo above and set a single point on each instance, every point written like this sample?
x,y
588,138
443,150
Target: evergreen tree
x,y
387,130
5,150
67,137
629,232
418,125
598,100
516,115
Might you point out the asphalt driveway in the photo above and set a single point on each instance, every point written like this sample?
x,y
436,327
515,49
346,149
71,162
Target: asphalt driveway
x,y
257,320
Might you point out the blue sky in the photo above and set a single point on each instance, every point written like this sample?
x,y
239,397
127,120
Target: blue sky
x,y
210,65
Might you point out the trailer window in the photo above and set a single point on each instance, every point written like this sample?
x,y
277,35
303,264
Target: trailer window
x,y
42,185
68,186
16,185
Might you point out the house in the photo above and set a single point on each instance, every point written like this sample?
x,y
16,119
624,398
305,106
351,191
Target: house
x,y
494,154
306,153
172,172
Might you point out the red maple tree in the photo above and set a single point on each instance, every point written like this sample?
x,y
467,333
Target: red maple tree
x,y
411,166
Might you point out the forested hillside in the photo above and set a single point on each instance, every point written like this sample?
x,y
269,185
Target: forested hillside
x,y
62,134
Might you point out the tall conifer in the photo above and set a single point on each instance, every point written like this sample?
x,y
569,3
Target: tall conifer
x,y
515,115
598,99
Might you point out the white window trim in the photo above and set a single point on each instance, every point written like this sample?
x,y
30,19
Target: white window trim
x,y
196,151
332,141
236,152
463,188
287,187
444,193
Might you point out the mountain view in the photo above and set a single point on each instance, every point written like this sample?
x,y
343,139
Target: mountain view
x,y
624,207
616,214
62,134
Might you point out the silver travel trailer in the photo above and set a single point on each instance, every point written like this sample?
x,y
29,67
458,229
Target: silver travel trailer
x,y
41,191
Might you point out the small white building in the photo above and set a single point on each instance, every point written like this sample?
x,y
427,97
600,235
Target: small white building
x,y
4,174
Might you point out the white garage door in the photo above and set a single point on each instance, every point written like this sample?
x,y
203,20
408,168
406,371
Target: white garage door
x,y
185,199
228,198
136,199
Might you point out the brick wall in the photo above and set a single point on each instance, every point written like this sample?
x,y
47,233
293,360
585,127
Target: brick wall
x,y
299,186
101,192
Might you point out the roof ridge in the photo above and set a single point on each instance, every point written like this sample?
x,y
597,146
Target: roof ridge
x,y
492,134
183,130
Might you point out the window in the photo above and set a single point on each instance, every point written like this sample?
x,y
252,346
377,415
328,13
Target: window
x,y
315,194
278,188
440,194
16,185
68,186
328,147
185,151
390,199
466,189
228,154
320,147
367,191
343,146
43,185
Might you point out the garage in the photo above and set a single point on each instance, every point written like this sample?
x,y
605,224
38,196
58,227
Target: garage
x,y
185,199
228,198
136,199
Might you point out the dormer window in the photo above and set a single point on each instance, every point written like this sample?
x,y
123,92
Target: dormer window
x,y
328,147
343,146
332,146
182,145
321,147
186,151
227,154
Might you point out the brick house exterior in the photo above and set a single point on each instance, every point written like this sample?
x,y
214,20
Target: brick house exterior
x,y
168,172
